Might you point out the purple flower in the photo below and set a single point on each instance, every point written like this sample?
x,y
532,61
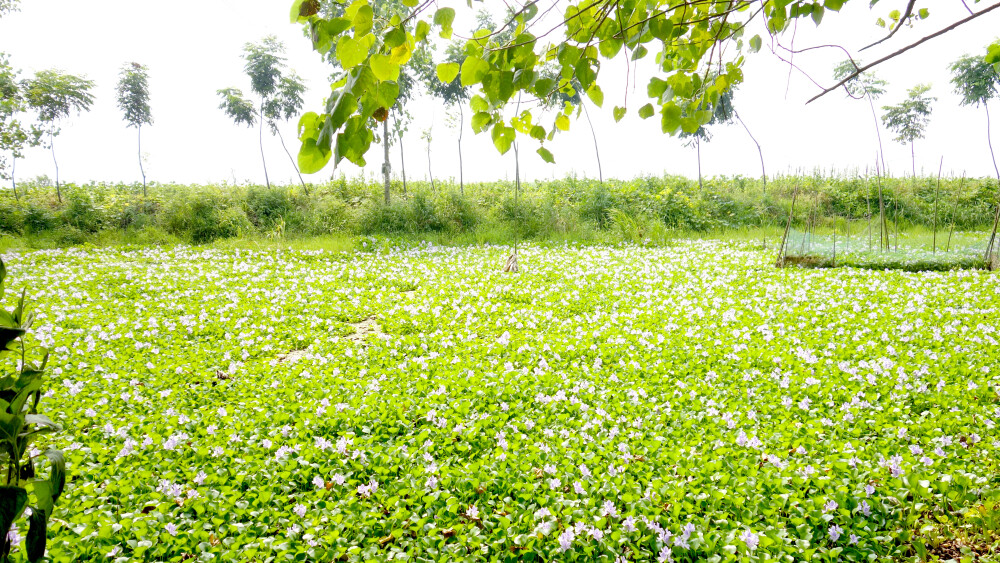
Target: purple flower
x,y
835,532
750,539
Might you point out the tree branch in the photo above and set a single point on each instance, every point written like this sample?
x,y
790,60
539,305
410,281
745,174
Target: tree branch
x,y
901,51
899,24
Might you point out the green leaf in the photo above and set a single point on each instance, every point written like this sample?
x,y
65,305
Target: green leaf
x,y
35,540
57,477
596,95
646,111
817,13
423,29
444,18
562,122
302,9
480,121
473,71
384,69
619,113
670,120
834,5
755,43
447,72
546,155
350,52
12,503
312,157
503,137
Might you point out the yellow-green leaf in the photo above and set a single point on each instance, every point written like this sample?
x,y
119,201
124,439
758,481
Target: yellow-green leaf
x,y
384,69
446,72
562,123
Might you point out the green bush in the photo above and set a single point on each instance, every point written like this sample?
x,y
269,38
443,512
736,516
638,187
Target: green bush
x,y
81,214
11,218
265,207
38,219
422,215
384,219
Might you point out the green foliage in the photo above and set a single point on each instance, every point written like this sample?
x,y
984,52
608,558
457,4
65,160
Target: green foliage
x,y
56,95
113,213
15,135
975,80
374,44
908,120
237,107
861,85
282,404
21,425
133,95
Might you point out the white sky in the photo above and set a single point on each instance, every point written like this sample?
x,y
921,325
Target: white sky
x,y
193,48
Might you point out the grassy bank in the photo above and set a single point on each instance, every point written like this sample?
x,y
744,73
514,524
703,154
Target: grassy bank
x,y
650,208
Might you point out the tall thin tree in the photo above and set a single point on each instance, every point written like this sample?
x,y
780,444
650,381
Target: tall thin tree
x,y
56,95
133,100
909,119
279,97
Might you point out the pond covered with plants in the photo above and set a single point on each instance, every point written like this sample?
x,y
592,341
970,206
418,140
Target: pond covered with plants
x,y
607,404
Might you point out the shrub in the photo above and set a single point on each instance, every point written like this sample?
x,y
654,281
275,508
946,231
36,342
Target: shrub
x,y
266,206
385,219
11,218
422,216
81,214
37,219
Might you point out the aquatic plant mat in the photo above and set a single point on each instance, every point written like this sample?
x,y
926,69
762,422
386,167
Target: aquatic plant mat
x,y
906,252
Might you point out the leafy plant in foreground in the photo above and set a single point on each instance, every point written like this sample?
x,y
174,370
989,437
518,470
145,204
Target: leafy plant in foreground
x,y
20,424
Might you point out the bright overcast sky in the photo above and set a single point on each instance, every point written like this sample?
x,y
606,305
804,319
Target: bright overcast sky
x,y
193,48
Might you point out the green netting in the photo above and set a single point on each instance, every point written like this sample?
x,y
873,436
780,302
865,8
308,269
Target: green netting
x,y
915,251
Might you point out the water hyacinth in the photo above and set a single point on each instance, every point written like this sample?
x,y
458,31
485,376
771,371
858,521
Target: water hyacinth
x,y
654,398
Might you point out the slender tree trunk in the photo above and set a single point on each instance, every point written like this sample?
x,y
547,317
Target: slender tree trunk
x,y
52,146
883,236
996,219
430,174
878,132
697,144
913,162
261,141
461,166
402,160
141,170
760,152
937,193
788,226
868,202
597,151
295,165
13,177
385,163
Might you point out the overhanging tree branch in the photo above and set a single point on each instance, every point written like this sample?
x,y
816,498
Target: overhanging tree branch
x,y
895,54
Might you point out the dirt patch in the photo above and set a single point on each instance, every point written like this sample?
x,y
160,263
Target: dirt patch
x,y
955,550
364,329
292,357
